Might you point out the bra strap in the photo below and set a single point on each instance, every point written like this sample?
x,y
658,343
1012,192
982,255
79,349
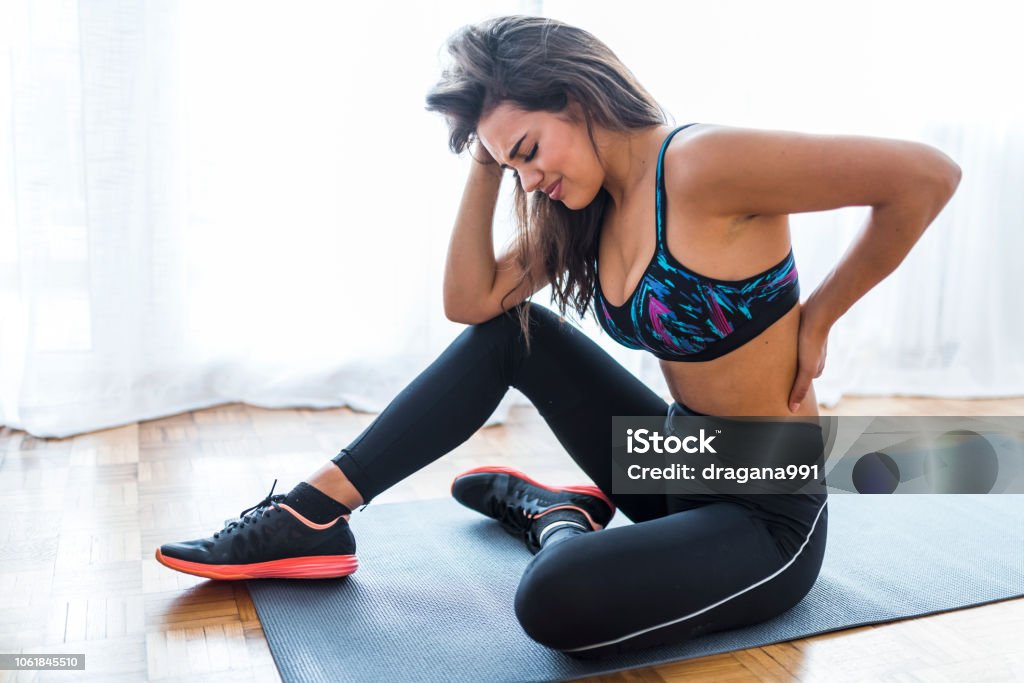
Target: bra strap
x,y
659,199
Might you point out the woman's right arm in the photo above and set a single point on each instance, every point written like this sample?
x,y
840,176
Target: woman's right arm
x,y
474,281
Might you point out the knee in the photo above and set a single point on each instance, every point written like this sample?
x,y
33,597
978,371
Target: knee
x,y
553,601
536,313
507,326
503,323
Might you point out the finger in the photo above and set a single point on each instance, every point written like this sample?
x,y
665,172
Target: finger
x,y
800,387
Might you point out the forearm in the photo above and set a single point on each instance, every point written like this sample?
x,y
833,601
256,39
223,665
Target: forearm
x,y
890,232
470,266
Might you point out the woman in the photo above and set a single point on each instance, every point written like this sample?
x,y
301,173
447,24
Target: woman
x,y
620,202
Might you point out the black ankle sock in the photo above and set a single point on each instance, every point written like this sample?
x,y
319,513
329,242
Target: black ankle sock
x,y
560,525
314,504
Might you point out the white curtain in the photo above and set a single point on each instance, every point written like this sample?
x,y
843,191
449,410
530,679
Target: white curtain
x,y
245,201
205,202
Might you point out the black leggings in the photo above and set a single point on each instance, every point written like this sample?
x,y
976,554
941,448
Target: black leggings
x,y
687,566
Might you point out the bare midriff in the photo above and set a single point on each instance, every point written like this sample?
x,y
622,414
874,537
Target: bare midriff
x,y
756,378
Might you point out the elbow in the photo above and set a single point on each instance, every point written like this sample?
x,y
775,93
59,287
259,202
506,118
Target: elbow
x,y
461,319
928,180
943,180
454,305
945,184
944,175
454,314
956,174
934,183
458,314
951,177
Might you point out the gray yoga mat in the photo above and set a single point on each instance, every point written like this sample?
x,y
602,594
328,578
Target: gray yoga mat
x,y
432,600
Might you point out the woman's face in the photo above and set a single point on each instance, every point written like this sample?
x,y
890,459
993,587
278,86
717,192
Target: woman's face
x,y
549,153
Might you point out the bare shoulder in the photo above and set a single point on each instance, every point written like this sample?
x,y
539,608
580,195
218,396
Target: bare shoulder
x,y
686,162
691,149
730,170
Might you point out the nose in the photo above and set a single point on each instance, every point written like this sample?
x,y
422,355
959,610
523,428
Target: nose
x,y
531,180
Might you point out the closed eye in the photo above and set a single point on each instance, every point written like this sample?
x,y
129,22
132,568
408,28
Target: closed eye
x,y
527,158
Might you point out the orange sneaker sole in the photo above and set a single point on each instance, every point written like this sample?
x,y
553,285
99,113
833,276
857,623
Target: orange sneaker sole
x,y
586,489
313,567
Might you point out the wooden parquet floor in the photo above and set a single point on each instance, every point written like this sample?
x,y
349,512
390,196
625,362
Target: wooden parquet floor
x,y
84,514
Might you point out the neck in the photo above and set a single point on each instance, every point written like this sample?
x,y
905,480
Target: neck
x,y
628,158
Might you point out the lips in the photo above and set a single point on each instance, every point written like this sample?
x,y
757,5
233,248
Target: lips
x,y
550,189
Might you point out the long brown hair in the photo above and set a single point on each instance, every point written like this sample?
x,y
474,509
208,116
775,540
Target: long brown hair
x,y
541,64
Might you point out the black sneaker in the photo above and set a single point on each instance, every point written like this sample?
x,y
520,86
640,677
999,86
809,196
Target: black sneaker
x,y
269,540
517,501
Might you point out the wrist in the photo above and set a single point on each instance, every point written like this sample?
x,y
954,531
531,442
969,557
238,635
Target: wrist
x,y
816,317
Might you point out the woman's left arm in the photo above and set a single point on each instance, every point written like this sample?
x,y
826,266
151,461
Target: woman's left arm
x,y
739,171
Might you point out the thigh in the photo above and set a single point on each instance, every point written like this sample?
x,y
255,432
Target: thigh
x,y
663,581
577,387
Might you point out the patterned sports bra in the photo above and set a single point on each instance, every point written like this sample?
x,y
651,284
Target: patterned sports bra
x,y
679,315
